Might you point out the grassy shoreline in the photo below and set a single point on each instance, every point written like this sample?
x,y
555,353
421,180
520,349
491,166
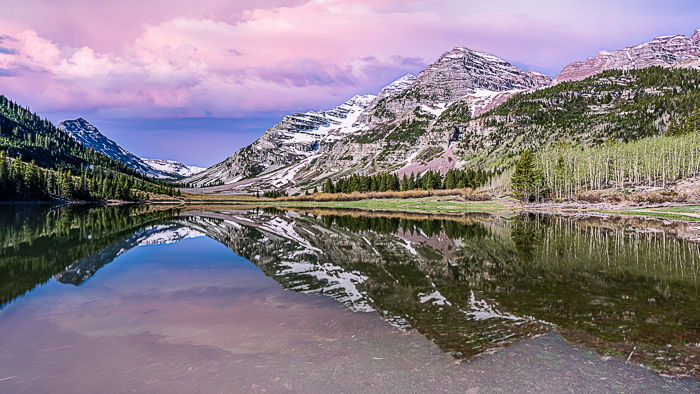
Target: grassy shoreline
x,y
442,205
680,213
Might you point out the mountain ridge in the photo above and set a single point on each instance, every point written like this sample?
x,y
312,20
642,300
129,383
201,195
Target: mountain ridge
x,y
391,118
89,136
444,118
660,51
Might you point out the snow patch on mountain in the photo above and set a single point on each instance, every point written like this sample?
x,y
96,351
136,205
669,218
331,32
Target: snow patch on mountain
x,y
397,86
172,168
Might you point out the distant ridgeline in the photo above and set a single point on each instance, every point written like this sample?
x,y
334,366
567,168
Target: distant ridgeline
x,y
39,162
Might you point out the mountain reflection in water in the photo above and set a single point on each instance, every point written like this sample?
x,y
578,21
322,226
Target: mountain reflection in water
x,y
469,284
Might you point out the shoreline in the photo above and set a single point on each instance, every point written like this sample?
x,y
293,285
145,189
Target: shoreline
x,y
681,220
446,206
455,206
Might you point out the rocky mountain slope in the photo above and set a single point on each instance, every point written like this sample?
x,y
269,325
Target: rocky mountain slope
x,y
470,108
661,51
172,168
89,136
372,133
616,105
296,138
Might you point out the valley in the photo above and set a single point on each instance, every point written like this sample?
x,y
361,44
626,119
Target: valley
x,y
516,229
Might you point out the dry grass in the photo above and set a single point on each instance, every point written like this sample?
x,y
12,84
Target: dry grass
x,y
639,197
657,197
466,194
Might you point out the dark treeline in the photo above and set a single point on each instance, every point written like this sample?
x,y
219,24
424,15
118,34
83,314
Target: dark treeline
x,y
39,162
21,181
392,225
430,180
273,194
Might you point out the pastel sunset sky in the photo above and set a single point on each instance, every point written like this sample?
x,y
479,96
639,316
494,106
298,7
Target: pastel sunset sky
x,y
196,80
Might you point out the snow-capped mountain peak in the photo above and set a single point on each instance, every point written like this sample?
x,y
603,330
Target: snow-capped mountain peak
x,y
88,135
462,71
173,168
305,147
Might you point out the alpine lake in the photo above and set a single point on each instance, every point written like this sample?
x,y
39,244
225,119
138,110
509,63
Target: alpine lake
x,y
156,299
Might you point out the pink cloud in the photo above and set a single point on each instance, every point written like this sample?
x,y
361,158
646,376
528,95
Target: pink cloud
x,y
223,58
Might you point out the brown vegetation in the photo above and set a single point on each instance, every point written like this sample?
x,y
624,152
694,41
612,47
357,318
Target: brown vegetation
x,y
466,194
638,197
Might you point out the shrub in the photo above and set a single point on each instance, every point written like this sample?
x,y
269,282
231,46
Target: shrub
x,y
465,193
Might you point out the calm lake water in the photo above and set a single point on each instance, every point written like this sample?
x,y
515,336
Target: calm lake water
x,y
134,299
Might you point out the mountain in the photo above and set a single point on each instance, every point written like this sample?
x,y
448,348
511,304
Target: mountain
x,y
89,136
39,161
297,137
615,105
396,128
471,109
172,168
27,136
661,51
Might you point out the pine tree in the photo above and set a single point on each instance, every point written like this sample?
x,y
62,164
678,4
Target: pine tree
x,y
527,179
66,186
32,182
404,183
4,177
328,186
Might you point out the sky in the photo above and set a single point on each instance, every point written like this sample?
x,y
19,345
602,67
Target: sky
x,y
196,80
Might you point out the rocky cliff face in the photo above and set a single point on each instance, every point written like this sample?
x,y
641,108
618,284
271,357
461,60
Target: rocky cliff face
x,y
661,51
462,71
403,124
